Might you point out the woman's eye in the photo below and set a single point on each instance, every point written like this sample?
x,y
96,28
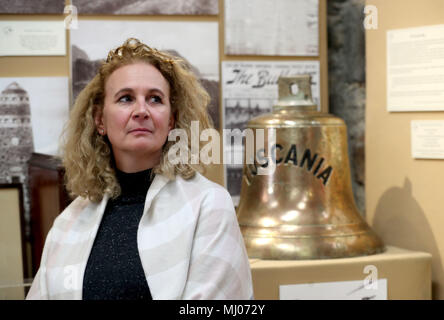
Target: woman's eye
x,y
155,99
125,98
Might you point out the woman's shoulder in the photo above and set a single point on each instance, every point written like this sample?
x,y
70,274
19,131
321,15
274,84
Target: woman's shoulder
x,y
201,184
210,195
76,208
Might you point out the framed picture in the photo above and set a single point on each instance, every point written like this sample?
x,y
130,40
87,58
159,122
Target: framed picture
x,y
32,6
136,7
13,261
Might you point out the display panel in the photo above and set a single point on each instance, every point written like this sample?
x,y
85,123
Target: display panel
x,y
164,7
280,27
31,6
196,42
249,89
47,99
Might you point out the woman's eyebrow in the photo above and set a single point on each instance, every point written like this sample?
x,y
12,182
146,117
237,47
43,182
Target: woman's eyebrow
x,y
123,90
157,90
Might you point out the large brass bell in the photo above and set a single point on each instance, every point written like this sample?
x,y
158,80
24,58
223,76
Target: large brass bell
x,y
305,209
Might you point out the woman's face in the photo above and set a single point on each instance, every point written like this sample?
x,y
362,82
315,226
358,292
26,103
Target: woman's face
x,y
136,115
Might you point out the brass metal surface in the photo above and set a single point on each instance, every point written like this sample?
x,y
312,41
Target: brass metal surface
x,y
305,209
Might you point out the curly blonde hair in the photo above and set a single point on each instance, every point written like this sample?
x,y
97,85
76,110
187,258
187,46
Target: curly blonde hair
x,y
87,156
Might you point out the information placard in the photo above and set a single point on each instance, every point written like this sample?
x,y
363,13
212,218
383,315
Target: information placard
x,y
427,139
415,69
32,38
339,290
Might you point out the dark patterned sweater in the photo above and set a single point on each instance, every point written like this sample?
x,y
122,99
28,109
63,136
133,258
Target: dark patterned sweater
x,y
114,270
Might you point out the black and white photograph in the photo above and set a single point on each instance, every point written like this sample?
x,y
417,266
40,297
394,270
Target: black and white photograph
x,y
32,6
291,27
33,112
37,108
152,7
249,89
15,132
194,42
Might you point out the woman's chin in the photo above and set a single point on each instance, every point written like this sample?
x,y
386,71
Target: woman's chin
x,y
145,148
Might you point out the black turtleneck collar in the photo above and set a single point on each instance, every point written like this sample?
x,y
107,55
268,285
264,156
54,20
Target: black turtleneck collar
x,y
133,185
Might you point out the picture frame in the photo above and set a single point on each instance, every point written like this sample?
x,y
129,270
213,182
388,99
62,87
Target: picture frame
x,y
13,257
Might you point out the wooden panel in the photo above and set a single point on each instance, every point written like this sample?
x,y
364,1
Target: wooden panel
x,y
48,199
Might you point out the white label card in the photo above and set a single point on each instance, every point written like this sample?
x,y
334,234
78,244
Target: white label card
x,y
427,139
340,290
32,38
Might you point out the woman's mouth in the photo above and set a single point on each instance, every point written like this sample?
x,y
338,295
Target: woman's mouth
x,y
140,130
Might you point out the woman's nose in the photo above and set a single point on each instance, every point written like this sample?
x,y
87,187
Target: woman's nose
x,y
141,109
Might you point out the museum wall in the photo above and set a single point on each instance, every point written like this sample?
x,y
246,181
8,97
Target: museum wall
x,y
398,194
403,194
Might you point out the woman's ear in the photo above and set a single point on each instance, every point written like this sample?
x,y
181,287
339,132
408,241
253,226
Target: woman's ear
x,y
172,121
98,119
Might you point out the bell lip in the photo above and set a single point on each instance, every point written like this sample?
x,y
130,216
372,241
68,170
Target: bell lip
x,y
292,231
357,254
363,245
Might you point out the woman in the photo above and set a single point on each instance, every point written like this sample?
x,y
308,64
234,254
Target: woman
x,y
140,227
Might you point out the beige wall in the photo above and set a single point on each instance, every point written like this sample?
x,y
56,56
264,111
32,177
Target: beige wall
x,y
59,66
403,195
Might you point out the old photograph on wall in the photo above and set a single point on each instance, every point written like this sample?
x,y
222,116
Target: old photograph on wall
x,y
280,27
194,42
32,6
249,89
33,112
152,7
